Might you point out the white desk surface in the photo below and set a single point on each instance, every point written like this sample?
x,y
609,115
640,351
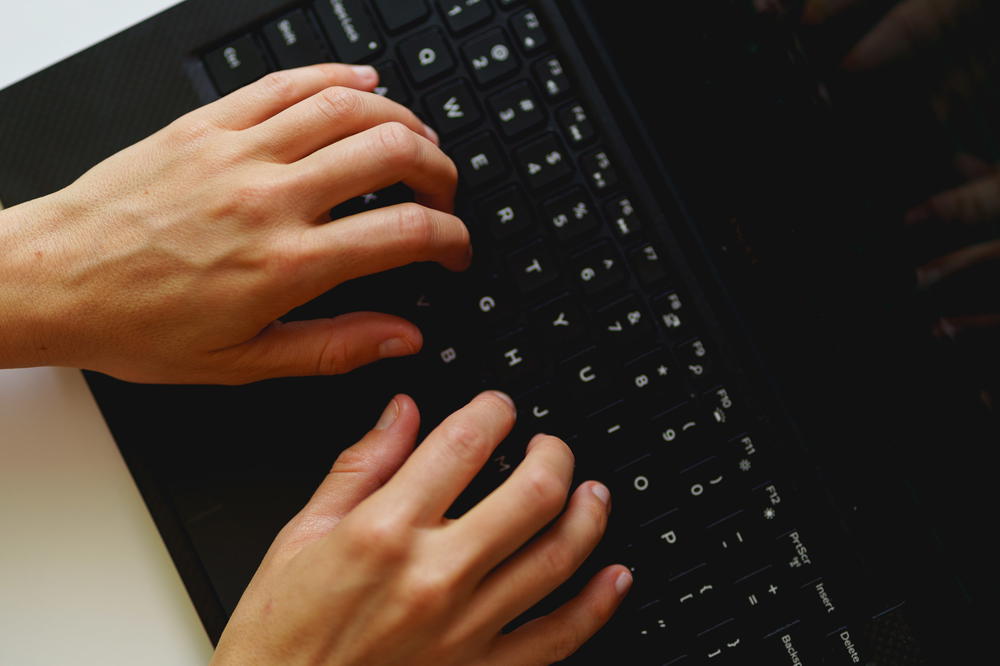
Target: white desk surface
x,y
84,576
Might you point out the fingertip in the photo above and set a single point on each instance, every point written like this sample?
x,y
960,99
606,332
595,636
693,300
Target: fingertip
x,y
622,579
366,76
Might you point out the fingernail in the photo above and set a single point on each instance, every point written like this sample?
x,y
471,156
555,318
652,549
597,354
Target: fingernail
x,y
366,73
623,582
388,416
503,396
431,134
601,491
394,347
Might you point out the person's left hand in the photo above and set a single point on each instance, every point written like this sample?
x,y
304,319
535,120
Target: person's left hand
x,y
172,260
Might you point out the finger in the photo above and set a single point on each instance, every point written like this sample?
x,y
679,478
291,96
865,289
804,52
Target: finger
x,y
329,116
971,204
980,256
372,160
556,636
378,240
277,91
820,11
546,563
906,29
533,495
358,471
320,347
448,459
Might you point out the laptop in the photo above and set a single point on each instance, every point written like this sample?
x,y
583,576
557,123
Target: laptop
x,y
689,265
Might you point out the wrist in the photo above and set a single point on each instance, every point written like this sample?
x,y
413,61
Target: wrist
x,y
29,298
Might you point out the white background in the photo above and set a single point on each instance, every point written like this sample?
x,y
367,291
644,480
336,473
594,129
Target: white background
x,y
84,576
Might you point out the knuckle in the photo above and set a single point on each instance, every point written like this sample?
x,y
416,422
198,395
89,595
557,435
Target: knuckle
x,y
413,223
337,102
190,130
380,538
565,643
465,443
278,84
333,356
427,591
398,147
559,559
545,489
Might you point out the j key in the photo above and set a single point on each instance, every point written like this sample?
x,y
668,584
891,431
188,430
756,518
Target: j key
x,y
453,108
517,360
656,379
590,378
517,110
390,84
543,162
400,14
641,489
529,32
599,170
598,269
576,125
648,265
694,354
506,213
351,32
236,64
426,56
571,215
541,410
293,42
532,268
626,324
490,57
675,315
552,77
480,161
394,194
623,218
464,14
562,323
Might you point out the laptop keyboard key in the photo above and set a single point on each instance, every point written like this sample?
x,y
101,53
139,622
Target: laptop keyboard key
x,y
598,269
626,324
599,170
517,361
561,323
648,265
529,32
623,218
236,64
552,77
464,14
576,125
532,268
390,84
590,379
400,14
506,213
293,42
571,215
490,57
673,314
480,161
426,56
543,162
453,108
350,30
517,110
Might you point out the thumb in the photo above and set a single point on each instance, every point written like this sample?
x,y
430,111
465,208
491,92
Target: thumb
x,y
324,346
358,471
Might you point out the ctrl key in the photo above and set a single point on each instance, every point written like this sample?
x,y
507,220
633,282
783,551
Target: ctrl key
x,y
236,64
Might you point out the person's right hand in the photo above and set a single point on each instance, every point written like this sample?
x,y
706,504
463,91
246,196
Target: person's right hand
x,y
371,573
173,260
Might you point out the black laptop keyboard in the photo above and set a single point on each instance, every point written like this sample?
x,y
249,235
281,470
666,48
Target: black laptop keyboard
x,y
577,306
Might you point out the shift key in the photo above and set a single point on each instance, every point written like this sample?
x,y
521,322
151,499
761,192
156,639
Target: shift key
x,y
350,29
